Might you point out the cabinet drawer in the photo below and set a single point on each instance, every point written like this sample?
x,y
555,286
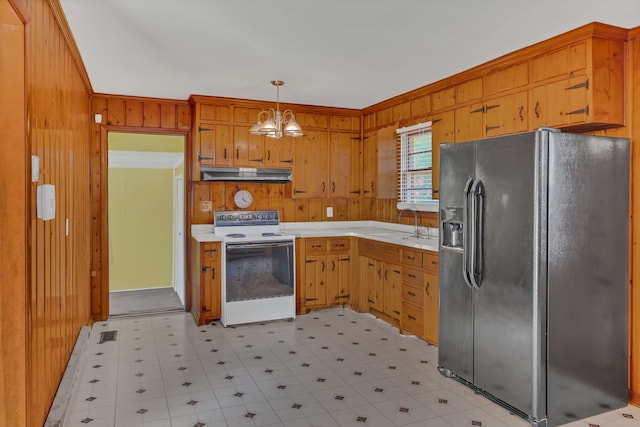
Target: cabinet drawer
x,y
412,294
431,262
412,258
337,245
412,276
315,245
412,319
210,250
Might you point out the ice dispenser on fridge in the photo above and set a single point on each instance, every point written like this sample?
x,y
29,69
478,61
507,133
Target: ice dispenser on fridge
x,y
452,227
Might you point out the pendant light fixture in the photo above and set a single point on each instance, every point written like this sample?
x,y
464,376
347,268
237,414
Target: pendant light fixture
x,y
276,124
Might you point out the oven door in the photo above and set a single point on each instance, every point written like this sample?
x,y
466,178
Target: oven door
x,y
259,270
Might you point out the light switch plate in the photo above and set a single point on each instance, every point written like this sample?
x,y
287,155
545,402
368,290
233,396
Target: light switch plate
x,y
329,212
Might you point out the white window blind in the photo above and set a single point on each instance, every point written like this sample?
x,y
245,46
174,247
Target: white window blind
x,y
415,183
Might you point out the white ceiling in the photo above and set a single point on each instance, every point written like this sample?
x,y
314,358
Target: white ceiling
x,y
342,53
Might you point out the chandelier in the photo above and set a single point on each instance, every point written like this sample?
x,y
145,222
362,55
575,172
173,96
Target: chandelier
x,y
276,124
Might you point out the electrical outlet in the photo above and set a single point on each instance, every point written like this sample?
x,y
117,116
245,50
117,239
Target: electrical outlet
x,y
205,206
329,212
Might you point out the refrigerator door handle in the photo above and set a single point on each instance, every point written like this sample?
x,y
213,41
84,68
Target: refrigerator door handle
x,y
476,261
467,238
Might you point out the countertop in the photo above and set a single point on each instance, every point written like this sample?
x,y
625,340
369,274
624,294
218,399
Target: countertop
x,y
387,232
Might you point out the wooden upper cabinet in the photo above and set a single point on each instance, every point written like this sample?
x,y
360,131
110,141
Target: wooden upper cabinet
x,y
579,87
278,153
442,131
214,113
443,99
344,165
471,90
370,164
311,165
506,114
507,78
213,146
248,150
470,120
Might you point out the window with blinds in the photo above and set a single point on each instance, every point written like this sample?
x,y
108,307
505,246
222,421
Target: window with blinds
x,y
415,184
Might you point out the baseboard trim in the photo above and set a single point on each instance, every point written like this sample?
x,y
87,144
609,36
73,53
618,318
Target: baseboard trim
x,y
61,401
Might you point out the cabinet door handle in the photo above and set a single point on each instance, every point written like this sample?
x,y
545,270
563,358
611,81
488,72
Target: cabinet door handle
x,y
521,113
536,110
201,158
411,294
411,317
333,187
333,266
426,289
200,128
268,154
260,160
413,276
237,153
324,186
224,155
299,191
386,275
323,265
411,258
379,273
213,273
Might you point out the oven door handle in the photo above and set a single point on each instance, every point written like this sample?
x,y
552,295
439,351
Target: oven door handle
x,y
231,246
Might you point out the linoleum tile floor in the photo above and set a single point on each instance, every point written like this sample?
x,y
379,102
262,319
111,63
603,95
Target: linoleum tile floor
x,y
327,368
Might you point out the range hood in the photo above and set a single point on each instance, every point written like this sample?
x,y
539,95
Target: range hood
x,y
263,175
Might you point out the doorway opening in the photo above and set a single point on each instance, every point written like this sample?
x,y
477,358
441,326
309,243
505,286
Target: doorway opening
x,y
146,223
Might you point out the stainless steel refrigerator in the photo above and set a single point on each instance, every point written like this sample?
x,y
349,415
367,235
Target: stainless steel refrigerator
x,y
534,272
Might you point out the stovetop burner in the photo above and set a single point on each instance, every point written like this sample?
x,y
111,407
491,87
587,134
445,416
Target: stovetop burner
x,y
236,235
270,234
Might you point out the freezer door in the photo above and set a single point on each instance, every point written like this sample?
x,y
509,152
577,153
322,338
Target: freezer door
x,y
508,316
455,336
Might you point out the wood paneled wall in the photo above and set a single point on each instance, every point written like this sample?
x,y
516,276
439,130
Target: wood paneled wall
x,y
125,114
13,205
46,291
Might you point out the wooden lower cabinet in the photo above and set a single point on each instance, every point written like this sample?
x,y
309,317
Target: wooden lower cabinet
x,y
392,282
380,279
324,276
431,308
420,294
206,282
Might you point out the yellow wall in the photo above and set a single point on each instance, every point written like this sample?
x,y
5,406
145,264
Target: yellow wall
x,y
140,228
125,141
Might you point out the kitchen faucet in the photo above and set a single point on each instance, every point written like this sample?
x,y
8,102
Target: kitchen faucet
x,y
416,234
